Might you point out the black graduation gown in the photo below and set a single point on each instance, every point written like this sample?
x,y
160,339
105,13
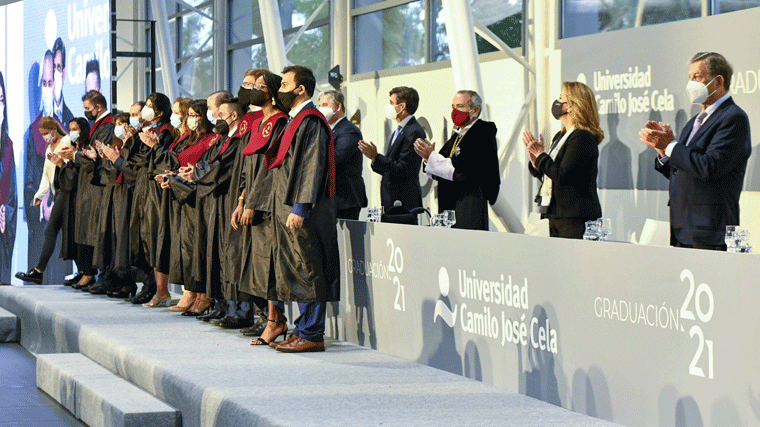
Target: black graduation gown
x,y
112,218
306,264
146,203
476,179
9,201
257,238
66,181
209,188
188,231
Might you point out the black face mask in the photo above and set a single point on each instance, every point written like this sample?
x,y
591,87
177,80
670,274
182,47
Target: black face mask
x,y
287,98
258,98
557,109
245,96
221,127
91,117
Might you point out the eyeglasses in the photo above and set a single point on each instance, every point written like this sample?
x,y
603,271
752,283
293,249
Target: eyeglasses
x,y
260,87
247,85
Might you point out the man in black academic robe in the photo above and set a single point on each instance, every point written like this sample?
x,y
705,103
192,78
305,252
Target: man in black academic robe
x,y
467,166
305,253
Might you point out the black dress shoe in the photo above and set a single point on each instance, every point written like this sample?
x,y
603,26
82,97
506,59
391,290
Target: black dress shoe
x,y
145,295
85,286
32,275
214,315
232,323
256,329
73,280
97,289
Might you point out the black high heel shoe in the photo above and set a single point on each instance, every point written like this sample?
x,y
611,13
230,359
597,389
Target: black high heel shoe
x,y
284,333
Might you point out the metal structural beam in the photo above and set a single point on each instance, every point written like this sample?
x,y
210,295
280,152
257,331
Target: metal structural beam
x,y
305,25
165,48
462,46
274,43
221,39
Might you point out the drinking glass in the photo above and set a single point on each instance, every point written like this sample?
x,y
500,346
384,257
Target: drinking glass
x,y
449,218
605,228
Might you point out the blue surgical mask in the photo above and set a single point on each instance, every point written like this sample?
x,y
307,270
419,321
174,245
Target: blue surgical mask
x,y
210,116
134,122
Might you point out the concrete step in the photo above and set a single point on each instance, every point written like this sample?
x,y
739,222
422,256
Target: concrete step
x,y
9,326
97,396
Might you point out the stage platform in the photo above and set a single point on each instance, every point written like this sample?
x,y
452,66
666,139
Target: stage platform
x,y
215,378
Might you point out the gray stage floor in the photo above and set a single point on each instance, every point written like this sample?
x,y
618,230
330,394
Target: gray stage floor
x,y
216,379
21,403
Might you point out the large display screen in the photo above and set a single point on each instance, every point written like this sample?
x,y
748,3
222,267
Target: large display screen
x,y
51,54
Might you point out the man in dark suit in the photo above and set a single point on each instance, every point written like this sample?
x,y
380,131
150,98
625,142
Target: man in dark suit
x,y
350,194
400,167
61,111
706,165
467,167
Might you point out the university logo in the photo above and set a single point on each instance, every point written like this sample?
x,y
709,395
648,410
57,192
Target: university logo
x,y
442,308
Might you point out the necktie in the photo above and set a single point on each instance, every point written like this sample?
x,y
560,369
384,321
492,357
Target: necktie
x,y
395,135
697,125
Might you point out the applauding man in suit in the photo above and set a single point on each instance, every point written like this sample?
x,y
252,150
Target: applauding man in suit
x,y
350,194
400,167
706,165
467,167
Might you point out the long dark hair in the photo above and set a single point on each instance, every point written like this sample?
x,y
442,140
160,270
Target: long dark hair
x,y
161,104
204,126
84,131
273,82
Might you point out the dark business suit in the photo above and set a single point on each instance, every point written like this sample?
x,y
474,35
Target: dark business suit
x,y
400,169
706,177
476,178
350,194
573,173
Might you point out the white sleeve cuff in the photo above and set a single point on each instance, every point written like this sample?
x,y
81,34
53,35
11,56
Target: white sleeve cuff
x,y
440,166
669,148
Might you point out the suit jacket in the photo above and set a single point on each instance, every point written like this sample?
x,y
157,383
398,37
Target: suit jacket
x,y
476,179
573,173
349,184
706,177
400,168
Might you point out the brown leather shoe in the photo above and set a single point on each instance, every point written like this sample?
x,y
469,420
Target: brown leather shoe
x,y
275,344
300,345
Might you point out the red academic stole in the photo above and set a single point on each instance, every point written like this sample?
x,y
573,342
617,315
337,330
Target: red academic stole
x,y
190,155
262,137
287,138
182,137
99,123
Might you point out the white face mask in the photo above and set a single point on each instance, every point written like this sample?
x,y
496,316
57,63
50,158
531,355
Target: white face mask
x,y
74,135
148,114
327,112
176,120
118,131
697,91
390,112
134,122
192,123
210,116
47,100
58,78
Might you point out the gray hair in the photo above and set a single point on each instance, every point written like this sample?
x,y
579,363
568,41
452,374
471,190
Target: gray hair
x,y
717,65
335,97
475,100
